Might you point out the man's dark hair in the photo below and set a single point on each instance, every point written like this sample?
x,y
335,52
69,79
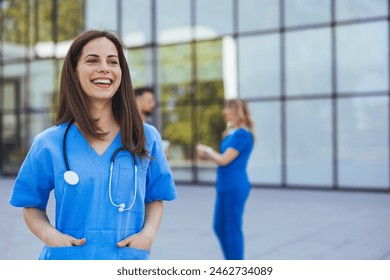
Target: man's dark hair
x,y
141,90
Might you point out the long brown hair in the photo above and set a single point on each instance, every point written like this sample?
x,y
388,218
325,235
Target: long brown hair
x,y
74,104
243,116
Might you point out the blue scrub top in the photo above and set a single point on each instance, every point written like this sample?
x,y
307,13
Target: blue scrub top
x,y
233,177
85,210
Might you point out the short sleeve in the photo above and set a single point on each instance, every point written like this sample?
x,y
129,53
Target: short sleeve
x,y
240,140
35,178
159,180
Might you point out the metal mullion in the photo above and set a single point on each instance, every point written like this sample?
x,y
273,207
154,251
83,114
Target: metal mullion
x,y
119,17
193,87
283,118
334,99
388,63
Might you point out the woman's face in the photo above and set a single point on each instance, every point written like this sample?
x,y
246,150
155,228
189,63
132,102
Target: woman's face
x,y
98,70
229,114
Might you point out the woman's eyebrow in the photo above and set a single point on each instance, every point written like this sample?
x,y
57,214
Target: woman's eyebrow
x,y
95,55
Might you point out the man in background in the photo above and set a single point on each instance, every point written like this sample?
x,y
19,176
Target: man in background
x,y
146,104
145,101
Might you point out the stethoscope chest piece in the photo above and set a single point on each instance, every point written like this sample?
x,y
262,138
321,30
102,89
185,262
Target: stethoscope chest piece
x,y
71,177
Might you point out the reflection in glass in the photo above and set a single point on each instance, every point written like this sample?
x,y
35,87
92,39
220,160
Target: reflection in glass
x,y
264,165
70,19
258,15
209,61
358,9
363,137
101,14
308,62
209,72
303,12
177,129
174,71
141,67
173,21
136,22
175,64
362,52
309,143
209,128
14,26
213,19
259,66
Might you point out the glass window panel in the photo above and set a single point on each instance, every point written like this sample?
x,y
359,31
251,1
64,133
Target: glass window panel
x,y
363,139
42,84
38,122
10,144
258,14
173,21
45,20
14,28
362,57
213,19
308,62
101,14
175,95
302,12
16,73
141,67
210,84
309,143
210,126
259,66
358,9
264,166
176,129
8,102
175,64
70,19
209,61
136,22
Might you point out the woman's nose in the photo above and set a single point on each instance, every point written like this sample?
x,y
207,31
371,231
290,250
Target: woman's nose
x,y
103,67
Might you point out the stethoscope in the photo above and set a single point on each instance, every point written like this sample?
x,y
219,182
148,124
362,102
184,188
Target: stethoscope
x,y
72,178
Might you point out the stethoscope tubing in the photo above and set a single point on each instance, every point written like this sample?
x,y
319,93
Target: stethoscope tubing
x,y
72,178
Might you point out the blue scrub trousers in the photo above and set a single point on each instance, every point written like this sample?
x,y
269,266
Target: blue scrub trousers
x,y
228,216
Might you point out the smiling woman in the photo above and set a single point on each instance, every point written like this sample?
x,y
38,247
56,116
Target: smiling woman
x,y
99,72
117,162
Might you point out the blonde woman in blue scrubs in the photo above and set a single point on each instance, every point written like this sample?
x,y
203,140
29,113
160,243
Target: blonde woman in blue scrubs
x,y
232,184
106,168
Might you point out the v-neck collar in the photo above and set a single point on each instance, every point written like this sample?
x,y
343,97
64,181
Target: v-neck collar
x,y
99,161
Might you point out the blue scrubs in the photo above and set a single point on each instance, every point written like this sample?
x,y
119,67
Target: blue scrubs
x,y
233,188
85,210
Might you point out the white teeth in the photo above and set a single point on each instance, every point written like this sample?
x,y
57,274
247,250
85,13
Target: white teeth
x,y
101,81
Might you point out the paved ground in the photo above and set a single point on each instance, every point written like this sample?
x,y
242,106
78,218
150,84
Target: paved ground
x,y
279,225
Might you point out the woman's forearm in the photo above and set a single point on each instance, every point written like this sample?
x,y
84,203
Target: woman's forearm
x,y
153,216
39,224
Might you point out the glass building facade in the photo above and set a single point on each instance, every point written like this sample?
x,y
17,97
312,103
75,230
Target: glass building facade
x,y
314,72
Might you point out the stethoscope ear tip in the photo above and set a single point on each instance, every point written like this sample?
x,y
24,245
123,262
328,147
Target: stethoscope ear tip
x,y
71,177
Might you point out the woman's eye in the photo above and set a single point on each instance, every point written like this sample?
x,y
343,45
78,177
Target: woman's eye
x,y
113,62
91,60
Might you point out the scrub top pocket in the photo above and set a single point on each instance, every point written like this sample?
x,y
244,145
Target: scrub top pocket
x,y
122,186
130,253
62,253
